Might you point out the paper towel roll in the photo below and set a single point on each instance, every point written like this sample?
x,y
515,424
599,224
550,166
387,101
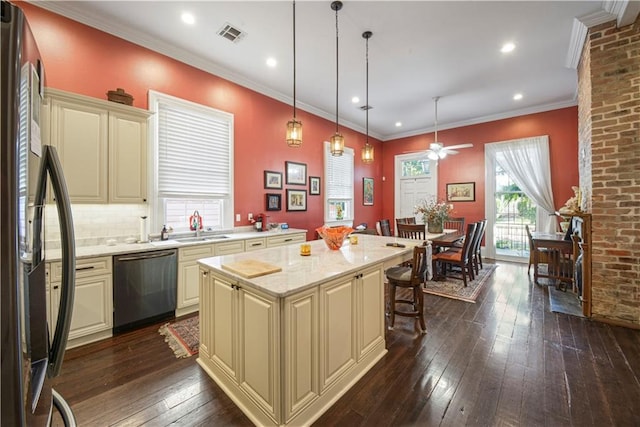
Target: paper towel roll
x,y
144,229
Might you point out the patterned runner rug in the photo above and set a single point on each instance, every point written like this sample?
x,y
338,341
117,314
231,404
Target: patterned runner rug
x,y
182,336
454,288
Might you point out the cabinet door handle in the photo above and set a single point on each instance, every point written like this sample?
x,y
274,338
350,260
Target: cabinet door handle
x,y
56,287
90,267
288,240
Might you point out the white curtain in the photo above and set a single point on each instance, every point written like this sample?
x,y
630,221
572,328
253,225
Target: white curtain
x,y
526,161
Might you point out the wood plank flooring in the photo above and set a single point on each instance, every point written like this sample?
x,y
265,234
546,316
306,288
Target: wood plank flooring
x,y
506,360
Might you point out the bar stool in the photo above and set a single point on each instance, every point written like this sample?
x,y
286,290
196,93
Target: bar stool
x,y
408,277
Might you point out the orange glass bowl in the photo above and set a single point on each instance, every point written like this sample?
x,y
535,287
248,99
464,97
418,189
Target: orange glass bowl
x,y
334,236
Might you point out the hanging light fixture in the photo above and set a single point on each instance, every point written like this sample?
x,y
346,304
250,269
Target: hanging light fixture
x,y
337,140
435,152
294,127
367,151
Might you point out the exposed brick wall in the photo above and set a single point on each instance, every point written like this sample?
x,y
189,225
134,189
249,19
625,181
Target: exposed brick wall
x,y
609,147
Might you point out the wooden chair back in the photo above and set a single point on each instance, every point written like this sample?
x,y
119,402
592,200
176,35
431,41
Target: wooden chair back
x,y
407,220
454,223
383,227
412,231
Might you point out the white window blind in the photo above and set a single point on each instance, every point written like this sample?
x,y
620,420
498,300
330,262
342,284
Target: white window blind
x,y
194,151
340,176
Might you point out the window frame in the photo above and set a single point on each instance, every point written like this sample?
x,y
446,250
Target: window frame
x,y
328,200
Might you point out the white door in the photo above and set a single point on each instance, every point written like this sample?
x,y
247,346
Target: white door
x,y
416,179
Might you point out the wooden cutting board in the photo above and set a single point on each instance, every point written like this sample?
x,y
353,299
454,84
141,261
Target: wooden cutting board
x,y
251,268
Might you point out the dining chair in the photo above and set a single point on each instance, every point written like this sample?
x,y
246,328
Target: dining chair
x,y
412,231
543,254
408,277
407,220
457,257
383,227
454,223
477,256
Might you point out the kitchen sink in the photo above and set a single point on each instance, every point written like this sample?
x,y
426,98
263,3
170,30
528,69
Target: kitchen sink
x,y
200,238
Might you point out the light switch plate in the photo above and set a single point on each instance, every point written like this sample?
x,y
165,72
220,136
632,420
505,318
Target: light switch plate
x,y
237,217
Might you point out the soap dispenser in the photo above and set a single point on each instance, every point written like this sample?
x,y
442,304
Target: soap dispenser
x,y
164,234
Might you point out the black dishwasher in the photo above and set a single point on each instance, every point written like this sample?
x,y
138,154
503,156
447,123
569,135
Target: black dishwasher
x,y
144,288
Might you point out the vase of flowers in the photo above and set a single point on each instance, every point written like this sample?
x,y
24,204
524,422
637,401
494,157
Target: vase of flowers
x,y
434,214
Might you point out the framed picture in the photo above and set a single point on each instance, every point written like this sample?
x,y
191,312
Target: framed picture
x,y
461,192
296,173
314,185
273,202
296,200
272,180
367,191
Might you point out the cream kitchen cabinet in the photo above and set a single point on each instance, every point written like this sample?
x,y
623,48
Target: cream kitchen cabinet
x,y
92,317
228,248
102,147
286,239
255,244
188,277
240,338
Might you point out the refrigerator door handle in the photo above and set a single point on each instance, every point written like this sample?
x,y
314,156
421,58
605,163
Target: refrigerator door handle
x,y
51,165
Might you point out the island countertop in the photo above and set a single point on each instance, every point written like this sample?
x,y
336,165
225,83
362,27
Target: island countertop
x,y
301,272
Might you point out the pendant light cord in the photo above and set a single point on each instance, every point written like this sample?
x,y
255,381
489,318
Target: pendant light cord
x,y
294,60
337,56
367,92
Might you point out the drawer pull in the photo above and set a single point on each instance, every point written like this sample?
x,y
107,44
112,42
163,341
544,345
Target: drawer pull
x,y
256,244
89,267
288,240
56,287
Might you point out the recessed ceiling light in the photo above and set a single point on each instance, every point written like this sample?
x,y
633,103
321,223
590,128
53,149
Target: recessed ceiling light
x,y
517,97
507,47
398,124
271,62
188,18
355,99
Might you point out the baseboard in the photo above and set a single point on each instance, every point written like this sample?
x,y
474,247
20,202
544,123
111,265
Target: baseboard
x,y
615,322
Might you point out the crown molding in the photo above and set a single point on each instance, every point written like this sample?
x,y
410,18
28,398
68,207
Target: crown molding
x,y
620,10
485,119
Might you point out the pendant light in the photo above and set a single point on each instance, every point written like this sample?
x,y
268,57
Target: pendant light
x,y
367,152
337,140
294,127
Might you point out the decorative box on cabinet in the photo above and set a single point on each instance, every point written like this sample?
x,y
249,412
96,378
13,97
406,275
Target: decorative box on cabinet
x,y
102,147
92,318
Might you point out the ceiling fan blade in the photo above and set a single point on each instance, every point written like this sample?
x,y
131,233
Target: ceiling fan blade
x,y
454,147
446,150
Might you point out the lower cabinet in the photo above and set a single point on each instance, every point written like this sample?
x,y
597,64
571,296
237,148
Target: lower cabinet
x,y
92,317
331,335
239,338
188,277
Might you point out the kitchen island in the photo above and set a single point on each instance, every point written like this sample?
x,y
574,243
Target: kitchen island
x,y
286,345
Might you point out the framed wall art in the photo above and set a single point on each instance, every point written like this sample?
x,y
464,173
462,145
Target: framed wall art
x,y
367,191
461,192
314,185
296,200
273,202
273,180
296,173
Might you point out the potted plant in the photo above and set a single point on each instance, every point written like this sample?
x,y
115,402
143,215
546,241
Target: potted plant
x,y
434,213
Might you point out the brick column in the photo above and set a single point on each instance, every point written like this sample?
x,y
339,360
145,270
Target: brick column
x,y
609,166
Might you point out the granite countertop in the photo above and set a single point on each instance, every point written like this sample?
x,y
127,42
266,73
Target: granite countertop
x,y
128,248
300,272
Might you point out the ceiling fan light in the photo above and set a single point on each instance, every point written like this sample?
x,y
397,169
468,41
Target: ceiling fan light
x,y
294,133
432,155
367,153
336,144
442,154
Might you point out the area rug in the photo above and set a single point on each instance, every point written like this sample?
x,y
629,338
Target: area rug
x,y
454,288
565,302
182,336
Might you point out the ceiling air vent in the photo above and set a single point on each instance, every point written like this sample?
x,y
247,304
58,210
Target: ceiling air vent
x,y
231,33
365,107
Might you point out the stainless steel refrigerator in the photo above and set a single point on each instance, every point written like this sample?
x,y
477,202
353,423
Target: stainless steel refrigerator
x,y
29,357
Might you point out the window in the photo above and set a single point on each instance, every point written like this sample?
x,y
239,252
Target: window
x,y
339,186
418,167
193,163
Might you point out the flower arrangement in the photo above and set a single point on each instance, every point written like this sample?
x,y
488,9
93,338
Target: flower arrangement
x,y
433,211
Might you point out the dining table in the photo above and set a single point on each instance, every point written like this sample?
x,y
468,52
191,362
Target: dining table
x,y
448,239
559,253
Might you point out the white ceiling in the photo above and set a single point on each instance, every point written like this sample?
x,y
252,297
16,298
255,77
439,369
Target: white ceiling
x,y
419,50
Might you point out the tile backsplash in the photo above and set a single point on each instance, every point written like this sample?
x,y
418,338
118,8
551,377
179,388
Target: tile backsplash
x,y
94,224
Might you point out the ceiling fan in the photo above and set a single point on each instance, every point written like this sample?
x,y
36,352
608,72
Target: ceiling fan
x,y
437,150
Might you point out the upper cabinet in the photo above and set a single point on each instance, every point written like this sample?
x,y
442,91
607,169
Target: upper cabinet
x,y
102,147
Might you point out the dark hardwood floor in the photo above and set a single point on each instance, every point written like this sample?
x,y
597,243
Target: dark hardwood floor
x,y
506,360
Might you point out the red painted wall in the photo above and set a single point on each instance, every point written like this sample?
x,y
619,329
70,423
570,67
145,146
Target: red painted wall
x,y
468,166
83,60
